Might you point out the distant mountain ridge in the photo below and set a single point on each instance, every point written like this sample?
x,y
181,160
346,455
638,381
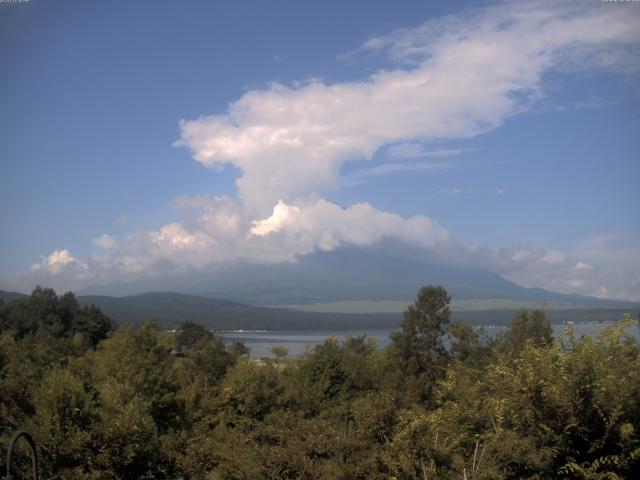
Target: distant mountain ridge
x,y
9,296
341,275
345,275
171,309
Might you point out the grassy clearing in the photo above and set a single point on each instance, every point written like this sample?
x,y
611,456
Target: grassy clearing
x,y
479,304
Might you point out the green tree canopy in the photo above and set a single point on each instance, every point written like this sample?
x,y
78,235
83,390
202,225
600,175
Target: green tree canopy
x,y
44,314
533,326
192,333
418,347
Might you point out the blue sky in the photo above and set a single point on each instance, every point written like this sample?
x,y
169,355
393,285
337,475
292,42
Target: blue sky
x,y
93,92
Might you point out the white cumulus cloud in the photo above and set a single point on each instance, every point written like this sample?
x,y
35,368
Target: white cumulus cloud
x,y
327,226
56,262
583,266
553,257
105,241
461,75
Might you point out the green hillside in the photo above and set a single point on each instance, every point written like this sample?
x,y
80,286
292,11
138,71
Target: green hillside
x,y
171,309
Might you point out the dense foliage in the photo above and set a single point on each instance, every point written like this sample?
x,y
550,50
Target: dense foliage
x,y
442,401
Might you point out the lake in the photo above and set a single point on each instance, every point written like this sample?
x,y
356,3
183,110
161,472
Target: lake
x,y
298,342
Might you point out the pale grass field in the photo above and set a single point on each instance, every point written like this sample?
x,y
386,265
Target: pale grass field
x,y
389,306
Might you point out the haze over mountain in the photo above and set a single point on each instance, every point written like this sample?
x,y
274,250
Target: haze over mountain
x,y
374,285
342,275
345,289
171,309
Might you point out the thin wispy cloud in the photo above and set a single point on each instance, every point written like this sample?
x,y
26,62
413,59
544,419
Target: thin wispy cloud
x,y
415,150
453,191
393,168
602,38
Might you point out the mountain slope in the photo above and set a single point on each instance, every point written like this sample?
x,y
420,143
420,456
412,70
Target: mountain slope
x,y
171,309
9,296
359,275
344,275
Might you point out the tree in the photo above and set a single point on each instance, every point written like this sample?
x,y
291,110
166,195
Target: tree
x,y
92,324
281,353
418,346
526,326
468,345
141,361
323,374
238,350
192,333
45,315
65,413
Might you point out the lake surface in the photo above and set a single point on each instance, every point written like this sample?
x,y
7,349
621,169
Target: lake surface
x,y
298,342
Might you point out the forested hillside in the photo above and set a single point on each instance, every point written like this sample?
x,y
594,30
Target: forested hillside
x,y
146,404
344,275
170,309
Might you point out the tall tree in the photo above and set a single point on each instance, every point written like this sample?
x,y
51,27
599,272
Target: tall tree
x,y
418,346
525,326
192,333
